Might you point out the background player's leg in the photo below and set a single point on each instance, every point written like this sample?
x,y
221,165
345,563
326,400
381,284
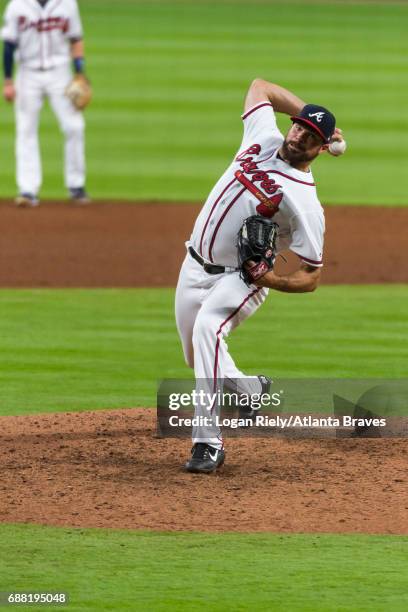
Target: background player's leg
x,y
227,305
29,99
72,125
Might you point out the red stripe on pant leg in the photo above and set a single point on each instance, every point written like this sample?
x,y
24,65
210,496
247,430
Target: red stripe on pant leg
x,y
221,439
217,346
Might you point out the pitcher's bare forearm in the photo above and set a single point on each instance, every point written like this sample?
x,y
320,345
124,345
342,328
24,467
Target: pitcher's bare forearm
x,y
304,280
282,100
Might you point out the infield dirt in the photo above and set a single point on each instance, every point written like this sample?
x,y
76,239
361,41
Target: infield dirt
x,y
107,468
142,245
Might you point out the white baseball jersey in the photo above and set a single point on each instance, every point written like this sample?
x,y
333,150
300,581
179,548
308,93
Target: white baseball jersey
x,y
292,193
42,33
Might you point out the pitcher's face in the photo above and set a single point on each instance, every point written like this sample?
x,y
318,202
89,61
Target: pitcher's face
x,y
302,144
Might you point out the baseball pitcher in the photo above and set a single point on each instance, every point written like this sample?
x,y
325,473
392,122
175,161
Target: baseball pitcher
x,y
264,203
45,35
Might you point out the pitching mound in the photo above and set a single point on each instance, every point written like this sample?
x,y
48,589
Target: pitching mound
x,y
107,469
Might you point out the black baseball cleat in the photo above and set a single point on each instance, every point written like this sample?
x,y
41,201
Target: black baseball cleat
x,y
247,412
204,459
79,195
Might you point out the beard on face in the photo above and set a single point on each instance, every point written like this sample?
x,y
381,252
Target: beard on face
x,y
295,153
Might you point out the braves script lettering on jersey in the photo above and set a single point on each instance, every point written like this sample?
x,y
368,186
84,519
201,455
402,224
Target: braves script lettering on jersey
x,y
44,34
44,25
210,306
300,215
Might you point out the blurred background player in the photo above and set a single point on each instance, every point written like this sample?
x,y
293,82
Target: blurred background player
x,y
46,34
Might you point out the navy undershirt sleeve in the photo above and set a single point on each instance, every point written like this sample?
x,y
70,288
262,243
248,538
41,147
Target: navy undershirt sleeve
x,y
8,58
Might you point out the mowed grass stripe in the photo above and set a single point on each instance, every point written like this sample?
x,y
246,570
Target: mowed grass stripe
x,y
87,349
124,570
169,82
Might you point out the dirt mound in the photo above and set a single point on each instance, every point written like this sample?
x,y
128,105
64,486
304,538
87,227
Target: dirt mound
x,y
106,469
142,245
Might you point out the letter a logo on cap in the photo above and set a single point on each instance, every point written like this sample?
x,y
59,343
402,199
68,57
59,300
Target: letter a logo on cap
x,y
319,119
319,116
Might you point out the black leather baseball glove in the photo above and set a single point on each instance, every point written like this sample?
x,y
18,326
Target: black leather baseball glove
x,y
256,247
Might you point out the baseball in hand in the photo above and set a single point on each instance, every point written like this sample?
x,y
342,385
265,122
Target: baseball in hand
x,y
337,147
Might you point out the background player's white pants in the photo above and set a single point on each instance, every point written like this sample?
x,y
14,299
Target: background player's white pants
x,y
32,87
208,308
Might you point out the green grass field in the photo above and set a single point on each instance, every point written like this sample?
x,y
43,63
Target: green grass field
x,y
121,570
85,349
170,78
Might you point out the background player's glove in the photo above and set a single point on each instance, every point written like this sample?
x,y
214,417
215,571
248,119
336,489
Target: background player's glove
x,y
79,91
256,247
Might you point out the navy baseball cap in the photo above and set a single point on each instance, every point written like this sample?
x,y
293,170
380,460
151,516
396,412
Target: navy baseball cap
x,y
319,119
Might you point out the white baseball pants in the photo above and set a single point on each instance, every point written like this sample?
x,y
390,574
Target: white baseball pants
x,y
208,308
32,86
